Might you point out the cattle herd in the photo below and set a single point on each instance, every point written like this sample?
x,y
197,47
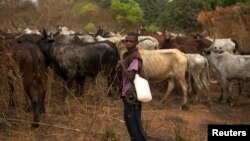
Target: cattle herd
x,y
166,56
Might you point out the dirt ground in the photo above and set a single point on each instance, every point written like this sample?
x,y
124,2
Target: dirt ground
x,y
97,117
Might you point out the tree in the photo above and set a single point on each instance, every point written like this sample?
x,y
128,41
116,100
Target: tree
x,y
180,15
127,13
152,10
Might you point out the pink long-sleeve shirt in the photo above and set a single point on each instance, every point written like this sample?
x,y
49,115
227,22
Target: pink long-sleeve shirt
x,y
126,84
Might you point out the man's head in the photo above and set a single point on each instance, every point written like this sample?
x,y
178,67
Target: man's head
x,y
131,40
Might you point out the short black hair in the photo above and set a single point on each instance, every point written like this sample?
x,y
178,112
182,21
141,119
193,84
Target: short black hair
x,y
134,34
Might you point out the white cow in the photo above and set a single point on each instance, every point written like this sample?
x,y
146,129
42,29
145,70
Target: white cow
x,y
229,67
147,42
29,31
144,42
114,40
164,64
63,30
228,45
198,68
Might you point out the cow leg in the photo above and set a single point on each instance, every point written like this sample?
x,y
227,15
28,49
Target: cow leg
x,y
169,90
222,90
80,86
11,99
67,89
183,84
111,79
41,95
206,84
196,86
35,109
230,89
239,92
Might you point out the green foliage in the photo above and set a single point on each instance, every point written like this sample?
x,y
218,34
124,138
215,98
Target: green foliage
x,y
181,15
104,3
152,9
127,13
152,28
86,9
90,27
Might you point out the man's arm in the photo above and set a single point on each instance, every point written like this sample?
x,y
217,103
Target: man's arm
x,y
132,69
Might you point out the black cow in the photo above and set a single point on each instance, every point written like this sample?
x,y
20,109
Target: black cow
x,y
74,59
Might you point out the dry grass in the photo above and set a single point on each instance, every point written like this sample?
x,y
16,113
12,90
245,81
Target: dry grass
x,y
97,117
7,63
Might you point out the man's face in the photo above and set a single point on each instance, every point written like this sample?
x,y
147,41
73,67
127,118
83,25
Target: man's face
x,y
130,42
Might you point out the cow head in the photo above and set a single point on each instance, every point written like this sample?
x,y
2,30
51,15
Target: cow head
x,y
102,32
45,43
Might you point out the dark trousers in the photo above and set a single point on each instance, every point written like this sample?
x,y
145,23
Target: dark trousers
x,y
132,118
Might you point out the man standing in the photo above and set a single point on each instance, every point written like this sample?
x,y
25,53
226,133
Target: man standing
x,y
130,64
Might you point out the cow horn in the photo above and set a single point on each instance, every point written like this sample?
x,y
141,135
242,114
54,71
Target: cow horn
x,y
204,32
3,37
19,36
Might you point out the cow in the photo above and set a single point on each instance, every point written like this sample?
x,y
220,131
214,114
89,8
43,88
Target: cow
x,y
32,67
144,42
148,42
159,37
191,46
76,59
114,40
228,67
228,45
198,69
157,68
7,35
63,30
29,31
165,64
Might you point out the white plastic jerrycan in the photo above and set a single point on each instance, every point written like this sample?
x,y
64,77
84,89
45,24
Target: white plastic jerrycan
x,y
142,89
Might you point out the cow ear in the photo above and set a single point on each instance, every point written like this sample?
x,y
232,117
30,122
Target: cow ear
x,y
51,40
123,41
44,33
208,52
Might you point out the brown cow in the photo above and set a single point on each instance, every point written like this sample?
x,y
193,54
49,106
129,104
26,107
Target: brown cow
x,y
159,37
187,45
32,67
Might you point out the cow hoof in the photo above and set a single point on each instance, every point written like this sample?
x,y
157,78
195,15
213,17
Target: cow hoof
x,y
35,125
42,110
184,107
27,110
193,101
12,104
220,99
229,100
235,105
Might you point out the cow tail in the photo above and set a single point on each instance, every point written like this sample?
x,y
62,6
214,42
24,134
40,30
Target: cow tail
x,y
36,74
36,103
35,63
208,74
189,78
207,79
